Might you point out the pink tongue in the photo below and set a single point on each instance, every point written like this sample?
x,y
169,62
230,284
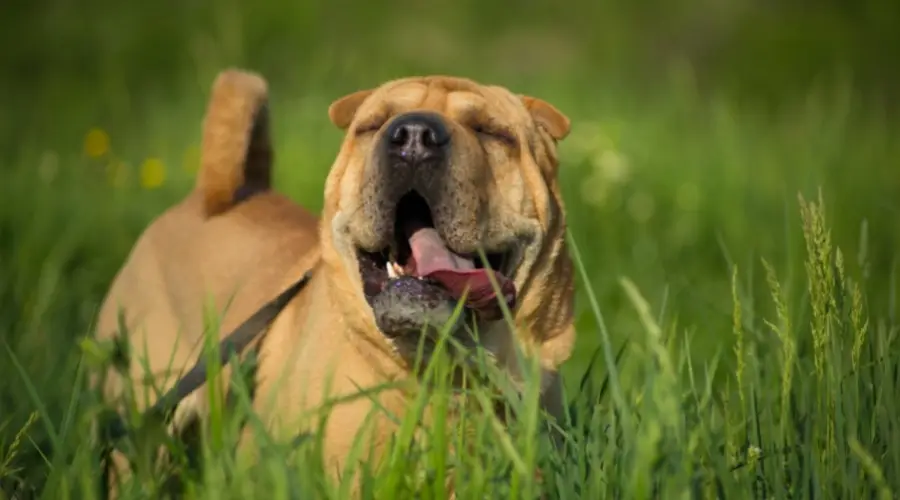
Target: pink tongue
x,y
432,259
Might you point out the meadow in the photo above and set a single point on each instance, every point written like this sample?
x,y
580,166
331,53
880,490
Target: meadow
x,y
734,232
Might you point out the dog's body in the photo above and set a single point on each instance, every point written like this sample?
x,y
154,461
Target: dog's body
x,y
490,183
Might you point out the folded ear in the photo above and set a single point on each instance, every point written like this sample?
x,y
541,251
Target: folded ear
x,y
547,116
342,111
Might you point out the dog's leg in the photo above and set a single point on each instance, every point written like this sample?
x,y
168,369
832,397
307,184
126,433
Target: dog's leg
x,y
552,402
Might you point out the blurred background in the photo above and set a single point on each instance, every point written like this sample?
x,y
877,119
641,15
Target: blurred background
x,y
696,125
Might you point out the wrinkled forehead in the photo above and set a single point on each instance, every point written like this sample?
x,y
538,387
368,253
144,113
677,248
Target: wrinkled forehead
x,y
459,99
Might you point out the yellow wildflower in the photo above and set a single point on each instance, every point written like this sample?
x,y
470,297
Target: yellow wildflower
x,y
153,173
96,143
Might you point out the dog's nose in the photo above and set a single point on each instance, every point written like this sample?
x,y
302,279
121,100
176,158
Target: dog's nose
x,y
417,137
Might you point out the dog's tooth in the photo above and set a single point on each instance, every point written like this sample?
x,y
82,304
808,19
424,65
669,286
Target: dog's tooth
x,y
398,269
392,273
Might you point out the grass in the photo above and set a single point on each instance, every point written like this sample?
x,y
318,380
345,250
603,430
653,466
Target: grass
x,y
736,309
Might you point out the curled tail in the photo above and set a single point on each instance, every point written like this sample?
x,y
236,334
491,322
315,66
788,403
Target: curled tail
x,y
236,154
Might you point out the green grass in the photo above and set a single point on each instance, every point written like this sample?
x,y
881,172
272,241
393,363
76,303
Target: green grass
x,y
756,320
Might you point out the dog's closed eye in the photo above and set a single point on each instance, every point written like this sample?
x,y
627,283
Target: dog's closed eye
x,y
494,132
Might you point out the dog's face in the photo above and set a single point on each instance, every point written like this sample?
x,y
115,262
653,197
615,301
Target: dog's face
x,y
433,173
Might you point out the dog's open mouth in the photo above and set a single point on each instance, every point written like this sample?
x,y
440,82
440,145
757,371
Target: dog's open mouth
x,y
419,268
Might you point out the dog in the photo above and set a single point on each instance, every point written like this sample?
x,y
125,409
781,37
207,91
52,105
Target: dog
x,y
431,171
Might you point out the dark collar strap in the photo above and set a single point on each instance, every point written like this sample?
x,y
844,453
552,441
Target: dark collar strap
x,y
234,343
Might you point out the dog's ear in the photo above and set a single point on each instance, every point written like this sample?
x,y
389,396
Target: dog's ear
x,y
547,116
342,111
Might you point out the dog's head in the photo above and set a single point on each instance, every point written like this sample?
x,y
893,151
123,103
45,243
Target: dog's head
x,y
433,173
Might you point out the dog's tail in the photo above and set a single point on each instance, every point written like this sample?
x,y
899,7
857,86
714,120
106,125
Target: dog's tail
x,y
236,154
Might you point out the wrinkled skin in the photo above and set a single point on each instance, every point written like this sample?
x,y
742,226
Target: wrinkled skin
x,y
491,188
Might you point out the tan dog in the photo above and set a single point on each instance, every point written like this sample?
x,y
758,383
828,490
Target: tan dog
x,y
431,170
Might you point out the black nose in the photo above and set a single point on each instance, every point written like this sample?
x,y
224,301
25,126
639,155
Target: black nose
x,y
417,137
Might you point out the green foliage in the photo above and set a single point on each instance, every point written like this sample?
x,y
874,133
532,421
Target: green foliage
x,y
733,340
